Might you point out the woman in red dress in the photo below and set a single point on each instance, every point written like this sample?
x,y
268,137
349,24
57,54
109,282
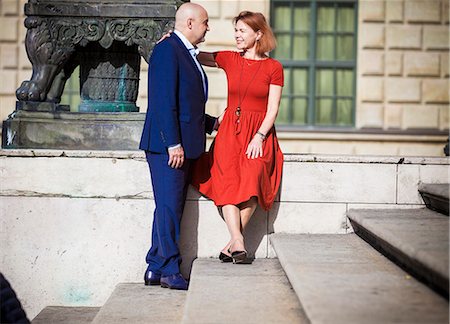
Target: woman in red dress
x,y
244,164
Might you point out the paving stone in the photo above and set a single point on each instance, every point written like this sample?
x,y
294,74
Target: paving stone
x,y
136,303
342,279
416,239
241,293
63,315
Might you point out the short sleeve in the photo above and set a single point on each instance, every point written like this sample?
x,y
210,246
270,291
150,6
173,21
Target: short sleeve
x,y
277,77
223,58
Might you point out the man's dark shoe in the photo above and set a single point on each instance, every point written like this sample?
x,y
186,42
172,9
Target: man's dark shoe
x,y
151,278
175,281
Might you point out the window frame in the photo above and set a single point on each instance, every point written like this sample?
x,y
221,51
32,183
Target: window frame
x,y
311,64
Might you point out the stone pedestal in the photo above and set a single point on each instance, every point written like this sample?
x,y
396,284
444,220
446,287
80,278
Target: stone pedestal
x,y
106,39
72,131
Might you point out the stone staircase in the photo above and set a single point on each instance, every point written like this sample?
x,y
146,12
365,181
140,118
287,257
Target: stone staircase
x,y
393,269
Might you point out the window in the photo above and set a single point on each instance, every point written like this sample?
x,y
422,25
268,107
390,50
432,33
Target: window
x,y
317,47
71,94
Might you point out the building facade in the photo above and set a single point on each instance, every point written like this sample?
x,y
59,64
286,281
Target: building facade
x,y
365,77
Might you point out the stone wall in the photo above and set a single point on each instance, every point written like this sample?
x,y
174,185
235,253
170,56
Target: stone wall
x,y
403,49
14,64
76,223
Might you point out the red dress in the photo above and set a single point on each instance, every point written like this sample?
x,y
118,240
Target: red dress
x,y
225,174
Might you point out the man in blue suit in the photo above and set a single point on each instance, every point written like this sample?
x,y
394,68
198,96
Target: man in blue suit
x,y
174,136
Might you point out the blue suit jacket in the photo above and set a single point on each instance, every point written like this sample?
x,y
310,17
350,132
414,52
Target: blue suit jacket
x,y
176,101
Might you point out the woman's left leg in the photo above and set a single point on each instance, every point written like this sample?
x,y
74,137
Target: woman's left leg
x,y
246,210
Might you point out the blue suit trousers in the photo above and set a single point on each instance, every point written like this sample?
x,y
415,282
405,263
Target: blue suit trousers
x,y
169,190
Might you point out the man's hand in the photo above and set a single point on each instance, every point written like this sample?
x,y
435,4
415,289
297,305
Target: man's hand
x,y
176,157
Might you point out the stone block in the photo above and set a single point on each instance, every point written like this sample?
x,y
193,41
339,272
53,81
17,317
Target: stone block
x,y
394,10
8,32
215,107
444,65
422,149
393,116
372,62
142,104
143,87
9,82
394,63
229,9
436,37
206,233
221,33
410,176
23,75
217,81
89,177
82,240
9,7
22,31
330,147
7,106
444,121
415,116
423,11
370,115
212,7
261,6
435,90
403,90
287,146
144,67
24,62
445,11
8,56
371,89
336,183
372,10
404,37
310,218
371,35
377,149
421,64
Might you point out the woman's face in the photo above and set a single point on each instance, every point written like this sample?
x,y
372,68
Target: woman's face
x,y
245,36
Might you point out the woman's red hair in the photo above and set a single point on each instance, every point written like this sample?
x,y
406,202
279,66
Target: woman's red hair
x,y
258,22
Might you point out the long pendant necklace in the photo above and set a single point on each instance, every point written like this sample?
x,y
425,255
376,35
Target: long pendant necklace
x,y
240,99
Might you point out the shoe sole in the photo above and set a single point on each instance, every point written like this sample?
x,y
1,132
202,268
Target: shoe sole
x,y
239,257
175,288
152,283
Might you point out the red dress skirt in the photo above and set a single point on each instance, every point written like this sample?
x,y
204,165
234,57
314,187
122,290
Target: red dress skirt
x,y
225,174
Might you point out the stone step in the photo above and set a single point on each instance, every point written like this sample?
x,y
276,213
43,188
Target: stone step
x,y
136,303
64,315
339,278
241,293
415,239
436,196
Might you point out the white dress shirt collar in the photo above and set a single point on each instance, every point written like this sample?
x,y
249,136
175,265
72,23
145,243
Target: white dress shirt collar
x,y
186,43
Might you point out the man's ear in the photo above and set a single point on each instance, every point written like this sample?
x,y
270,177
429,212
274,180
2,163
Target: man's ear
x,y
189,23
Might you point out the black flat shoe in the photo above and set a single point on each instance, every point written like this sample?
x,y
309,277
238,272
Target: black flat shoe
x,y
239,256
225,258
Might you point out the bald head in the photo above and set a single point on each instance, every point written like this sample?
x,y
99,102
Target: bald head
x,y
192,20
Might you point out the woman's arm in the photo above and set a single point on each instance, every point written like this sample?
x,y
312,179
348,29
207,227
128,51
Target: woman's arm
x,y
207,59
254,148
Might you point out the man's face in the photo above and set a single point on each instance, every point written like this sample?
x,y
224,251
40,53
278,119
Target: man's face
x,y
200,27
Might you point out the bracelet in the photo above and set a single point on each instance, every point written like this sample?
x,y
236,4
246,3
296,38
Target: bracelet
x,y
262,135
